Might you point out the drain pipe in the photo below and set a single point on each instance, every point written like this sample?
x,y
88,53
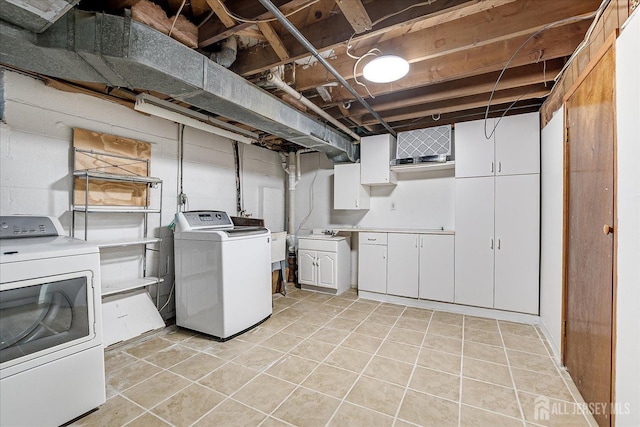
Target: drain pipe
x,y
298,35
293,182
277,82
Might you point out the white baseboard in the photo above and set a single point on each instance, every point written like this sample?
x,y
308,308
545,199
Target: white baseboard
x,y
555,346
453,308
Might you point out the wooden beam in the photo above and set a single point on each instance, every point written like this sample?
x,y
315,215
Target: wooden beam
x,y
356,14
553,43
465,103
274,40
258,59
484,83
214,30
499,24
221,13
199,7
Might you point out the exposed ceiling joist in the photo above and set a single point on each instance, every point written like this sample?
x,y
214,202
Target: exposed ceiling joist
x,y
258,59
274,40
221,13
513,78
356,14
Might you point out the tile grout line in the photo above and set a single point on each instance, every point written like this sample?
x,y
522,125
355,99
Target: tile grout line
x,y
461,372
413,370
513,380
566,384
268,415
373,355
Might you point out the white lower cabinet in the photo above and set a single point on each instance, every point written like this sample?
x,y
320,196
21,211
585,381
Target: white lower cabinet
x,y
497,242
436,278
402,274
324,262
372,262
407,264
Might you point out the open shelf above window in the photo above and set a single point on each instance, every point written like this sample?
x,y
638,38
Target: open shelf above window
x,y
423,167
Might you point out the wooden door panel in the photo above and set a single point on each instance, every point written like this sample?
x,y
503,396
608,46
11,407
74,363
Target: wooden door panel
x,y
589,153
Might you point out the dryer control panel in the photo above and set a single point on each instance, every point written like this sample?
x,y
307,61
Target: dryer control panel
x,y
195,220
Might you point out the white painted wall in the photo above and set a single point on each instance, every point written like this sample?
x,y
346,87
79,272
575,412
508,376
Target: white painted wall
x,y
551,219
422,200
36,164
627,381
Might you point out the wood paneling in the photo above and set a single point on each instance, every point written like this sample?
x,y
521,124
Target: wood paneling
x,y
111,155
589,245
611,21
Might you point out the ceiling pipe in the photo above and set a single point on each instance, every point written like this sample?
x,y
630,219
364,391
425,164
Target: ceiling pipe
x,y
277,82
307,45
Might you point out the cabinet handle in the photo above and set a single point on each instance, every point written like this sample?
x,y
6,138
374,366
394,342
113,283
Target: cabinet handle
x,y
491,167
491,243
499,166
498,243
356,203
416,242
421,242
371,240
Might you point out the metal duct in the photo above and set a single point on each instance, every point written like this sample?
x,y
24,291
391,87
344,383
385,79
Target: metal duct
x,y
34,15
228,52
116,51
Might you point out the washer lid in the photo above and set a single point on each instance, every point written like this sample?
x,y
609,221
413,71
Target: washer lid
x,y
220,235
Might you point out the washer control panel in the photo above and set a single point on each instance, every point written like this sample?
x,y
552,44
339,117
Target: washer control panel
x,y
194,220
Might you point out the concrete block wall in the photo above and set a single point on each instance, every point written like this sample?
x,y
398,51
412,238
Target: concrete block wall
x,y
36,162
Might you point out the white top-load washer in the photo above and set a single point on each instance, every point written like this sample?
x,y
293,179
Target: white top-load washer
x,y
223,274
51,354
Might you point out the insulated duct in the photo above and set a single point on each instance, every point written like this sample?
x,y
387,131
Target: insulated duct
x,y
116,51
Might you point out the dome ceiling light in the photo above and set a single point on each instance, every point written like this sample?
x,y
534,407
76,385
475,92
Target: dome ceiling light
x,y
386,69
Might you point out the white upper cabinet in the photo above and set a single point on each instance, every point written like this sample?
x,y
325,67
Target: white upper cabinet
x,y
348,192
517,142
474,153
513,149
375,153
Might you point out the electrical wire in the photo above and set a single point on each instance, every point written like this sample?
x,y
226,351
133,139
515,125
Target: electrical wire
x,y
260,21
375,51
594,15
173,24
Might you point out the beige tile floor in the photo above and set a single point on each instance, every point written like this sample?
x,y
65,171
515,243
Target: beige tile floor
x,y
341,361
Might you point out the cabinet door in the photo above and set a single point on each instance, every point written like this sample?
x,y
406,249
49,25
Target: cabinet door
x,y
348,193
474,242
436,267
517,141
375,153
372,268
402,277
474,152
327,265
517,255
307,267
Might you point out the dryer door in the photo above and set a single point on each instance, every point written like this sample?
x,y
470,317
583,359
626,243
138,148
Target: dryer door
x,y
43,316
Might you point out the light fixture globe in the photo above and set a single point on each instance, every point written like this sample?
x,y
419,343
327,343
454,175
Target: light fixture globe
x,y
385,69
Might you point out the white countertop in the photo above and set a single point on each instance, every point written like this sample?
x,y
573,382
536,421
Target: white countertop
x,y
392,230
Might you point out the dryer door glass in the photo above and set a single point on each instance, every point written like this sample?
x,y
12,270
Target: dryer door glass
x,y
44,316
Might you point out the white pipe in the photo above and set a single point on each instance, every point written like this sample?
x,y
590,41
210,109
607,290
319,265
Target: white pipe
x,y
291,218
277,82
305,150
